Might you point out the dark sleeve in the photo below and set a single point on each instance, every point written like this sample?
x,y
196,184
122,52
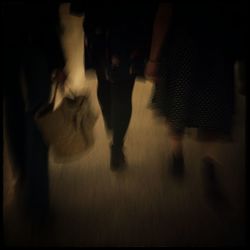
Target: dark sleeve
x,y
50,35
52,43
77,7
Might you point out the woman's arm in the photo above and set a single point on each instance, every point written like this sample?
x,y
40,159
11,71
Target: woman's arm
x,y
160,30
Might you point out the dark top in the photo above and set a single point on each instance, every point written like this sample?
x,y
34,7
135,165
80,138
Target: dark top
x,y
129,24
33,24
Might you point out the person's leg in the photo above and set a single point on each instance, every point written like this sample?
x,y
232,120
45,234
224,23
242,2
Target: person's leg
x,y
14,115
176,147
37,181
176,140
121,110
103,88
210,165
37,80
104,93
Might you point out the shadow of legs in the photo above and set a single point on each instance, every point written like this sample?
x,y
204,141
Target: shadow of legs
x,y
37,181
213,190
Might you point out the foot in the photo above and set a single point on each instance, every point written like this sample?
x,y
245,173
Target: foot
x,y
117,158
213,191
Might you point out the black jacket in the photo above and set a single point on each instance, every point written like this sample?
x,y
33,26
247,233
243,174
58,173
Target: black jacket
x,y
33,24
128,24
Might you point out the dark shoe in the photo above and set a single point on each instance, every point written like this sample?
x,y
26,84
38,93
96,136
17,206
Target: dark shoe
x,y
117,158
212,188
177,167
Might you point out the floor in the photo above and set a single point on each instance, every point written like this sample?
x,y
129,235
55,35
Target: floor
x,y
142,205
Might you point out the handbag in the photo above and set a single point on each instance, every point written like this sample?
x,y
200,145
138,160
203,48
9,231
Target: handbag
x,y
68,130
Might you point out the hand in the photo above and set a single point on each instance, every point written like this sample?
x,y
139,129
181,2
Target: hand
x,y
57,89
60,76
151,70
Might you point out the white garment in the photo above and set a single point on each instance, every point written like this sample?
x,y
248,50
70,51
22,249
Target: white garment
x,y
72,40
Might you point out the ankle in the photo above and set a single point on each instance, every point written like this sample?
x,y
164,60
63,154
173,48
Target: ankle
x,y
117,146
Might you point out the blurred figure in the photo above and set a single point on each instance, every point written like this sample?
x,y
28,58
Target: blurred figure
x,y
192,61
116,36
242,76
33,55
32,52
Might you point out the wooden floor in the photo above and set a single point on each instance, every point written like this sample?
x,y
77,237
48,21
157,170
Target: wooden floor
x,y
141,205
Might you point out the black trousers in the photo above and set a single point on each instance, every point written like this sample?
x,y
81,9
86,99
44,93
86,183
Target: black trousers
x,y
28,152
115,97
